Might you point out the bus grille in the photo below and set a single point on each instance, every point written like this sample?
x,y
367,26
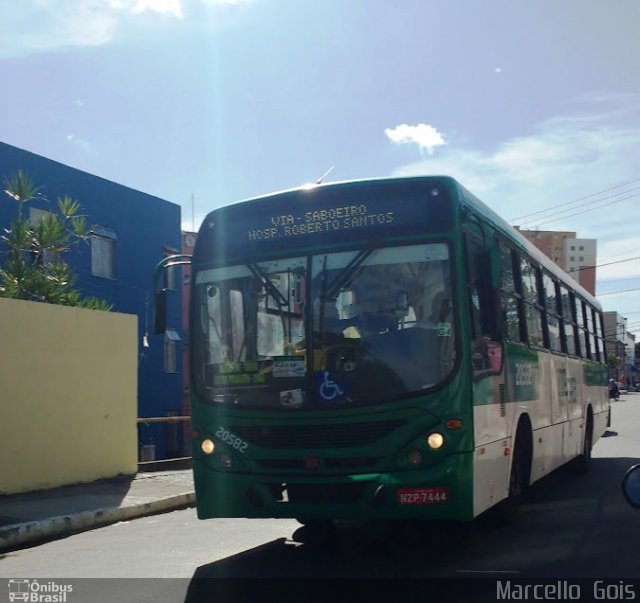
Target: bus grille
x,y
328,463
345,435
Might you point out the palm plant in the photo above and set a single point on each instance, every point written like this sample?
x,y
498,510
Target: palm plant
x,y
34,268
21,188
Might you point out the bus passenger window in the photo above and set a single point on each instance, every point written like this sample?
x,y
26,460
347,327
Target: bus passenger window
x,y
582,336
511,317
509,300
531,298
552,311
568,321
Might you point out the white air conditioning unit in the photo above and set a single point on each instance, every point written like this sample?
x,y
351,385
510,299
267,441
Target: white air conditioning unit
x,y
147,453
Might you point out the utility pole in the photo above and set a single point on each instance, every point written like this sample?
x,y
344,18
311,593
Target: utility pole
x,y
193,213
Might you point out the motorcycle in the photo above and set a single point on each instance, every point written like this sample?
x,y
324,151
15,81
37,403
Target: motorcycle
x,y
614,392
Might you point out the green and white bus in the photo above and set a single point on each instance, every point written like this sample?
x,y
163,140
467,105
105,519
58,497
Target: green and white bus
x,y
385,348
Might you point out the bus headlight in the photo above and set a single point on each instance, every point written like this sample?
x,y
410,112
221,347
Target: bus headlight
x,y
207,446
435,440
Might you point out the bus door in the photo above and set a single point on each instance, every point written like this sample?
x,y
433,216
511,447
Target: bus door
x,y
486,353
483,282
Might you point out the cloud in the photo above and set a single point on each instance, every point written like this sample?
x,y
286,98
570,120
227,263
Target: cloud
x,y
31,26
166,7
564,159
424,135
34,26
226,2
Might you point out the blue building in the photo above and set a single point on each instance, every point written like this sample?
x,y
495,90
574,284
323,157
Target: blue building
x,y
130,233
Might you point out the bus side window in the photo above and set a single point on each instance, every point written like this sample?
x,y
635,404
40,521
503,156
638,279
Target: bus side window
x,y
590,328
509,298
486,349
580,326
531,298
568,322
551,310
597,317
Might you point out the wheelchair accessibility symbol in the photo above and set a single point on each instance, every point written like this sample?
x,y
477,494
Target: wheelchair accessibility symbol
x,y
328,389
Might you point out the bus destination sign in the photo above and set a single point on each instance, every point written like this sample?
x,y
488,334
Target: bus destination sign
x,y
346,217
335,213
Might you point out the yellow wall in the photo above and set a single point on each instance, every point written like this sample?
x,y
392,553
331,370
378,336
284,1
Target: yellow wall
x,y
68,387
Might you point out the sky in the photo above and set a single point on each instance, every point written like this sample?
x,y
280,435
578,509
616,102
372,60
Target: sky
x,y
533,105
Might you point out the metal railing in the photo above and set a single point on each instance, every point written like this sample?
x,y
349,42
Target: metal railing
x,y
146,458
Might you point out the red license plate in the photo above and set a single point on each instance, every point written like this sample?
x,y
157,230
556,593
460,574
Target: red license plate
x,y
423,496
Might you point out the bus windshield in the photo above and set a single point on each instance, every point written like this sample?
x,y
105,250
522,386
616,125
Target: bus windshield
x,y
361,326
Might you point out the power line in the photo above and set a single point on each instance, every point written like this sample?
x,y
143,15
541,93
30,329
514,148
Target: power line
x,y
607,264
617,292
587,210
597,202
615,255
606,190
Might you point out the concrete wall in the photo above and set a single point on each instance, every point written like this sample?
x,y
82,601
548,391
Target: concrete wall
x,y
147,228
68,381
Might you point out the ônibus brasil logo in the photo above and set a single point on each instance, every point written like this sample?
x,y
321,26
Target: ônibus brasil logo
x,y
37,591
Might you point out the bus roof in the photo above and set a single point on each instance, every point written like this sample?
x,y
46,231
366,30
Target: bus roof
x,y
339,183
464,197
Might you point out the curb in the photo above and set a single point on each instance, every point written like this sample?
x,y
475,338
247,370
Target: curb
x,y
65,525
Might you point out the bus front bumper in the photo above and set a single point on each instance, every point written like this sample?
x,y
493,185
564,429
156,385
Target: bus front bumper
x,y
443,492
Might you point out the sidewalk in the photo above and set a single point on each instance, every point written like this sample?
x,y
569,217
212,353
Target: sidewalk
x,y
27,519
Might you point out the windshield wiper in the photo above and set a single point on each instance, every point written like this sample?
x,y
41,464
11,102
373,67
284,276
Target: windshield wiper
x,y
328,292
346,275
272,290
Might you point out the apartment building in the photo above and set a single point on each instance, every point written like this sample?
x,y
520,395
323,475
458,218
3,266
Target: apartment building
x,y
575,256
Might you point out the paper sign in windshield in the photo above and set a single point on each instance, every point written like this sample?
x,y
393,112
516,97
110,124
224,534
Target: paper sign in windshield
x,y
289,366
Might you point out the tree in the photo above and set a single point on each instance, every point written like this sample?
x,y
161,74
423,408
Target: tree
x,y
34,269
614,363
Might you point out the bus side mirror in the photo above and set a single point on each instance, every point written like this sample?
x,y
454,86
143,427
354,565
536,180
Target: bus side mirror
x,y
160,312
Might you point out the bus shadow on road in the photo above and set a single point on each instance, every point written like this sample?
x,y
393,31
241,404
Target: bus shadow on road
x,y
357,562
358,552
564,512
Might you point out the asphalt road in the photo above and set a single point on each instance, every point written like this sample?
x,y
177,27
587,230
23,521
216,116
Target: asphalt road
x,y
571,527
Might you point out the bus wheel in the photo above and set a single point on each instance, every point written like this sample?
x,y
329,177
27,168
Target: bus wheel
x,y
505,512
582,464
317,532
